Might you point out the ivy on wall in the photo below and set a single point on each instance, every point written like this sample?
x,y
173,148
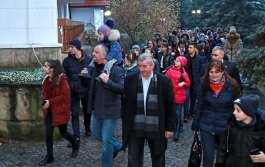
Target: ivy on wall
x,y
21,76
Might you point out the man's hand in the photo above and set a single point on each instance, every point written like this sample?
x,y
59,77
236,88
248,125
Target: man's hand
x,y
84,71
260,158
104,77
168,134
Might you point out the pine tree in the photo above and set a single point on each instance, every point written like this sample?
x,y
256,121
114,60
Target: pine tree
x,y
252,59
243,14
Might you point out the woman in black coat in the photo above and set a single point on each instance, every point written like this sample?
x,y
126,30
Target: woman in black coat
x,y
214,108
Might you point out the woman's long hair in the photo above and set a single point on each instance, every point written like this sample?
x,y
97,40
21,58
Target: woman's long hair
x,y
219,66
57,71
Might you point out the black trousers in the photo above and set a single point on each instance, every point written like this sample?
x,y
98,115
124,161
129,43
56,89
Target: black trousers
x,y
136,152
193,99
75,109
49,133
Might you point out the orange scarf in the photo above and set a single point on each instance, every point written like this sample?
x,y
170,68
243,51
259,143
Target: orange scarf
x,y
217,87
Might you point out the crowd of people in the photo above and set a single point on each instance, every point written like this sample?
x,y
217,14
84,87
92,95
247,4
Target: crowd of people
x,y
156,88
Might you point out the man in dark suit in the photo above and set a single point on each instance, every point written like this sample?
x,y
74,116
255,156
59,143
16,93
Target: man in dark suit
x,y
148,113
231,69
73,64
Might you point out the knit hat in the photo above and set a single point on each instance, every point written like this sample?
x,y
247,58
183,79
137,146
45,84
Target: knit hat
x,y
182,60
183,35
137,47
249,104
110,23
105,30
76,43
232,29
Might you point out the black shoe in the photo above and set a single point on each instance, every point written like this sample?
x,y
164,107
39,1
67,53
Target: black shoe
x,y
87,132
48,159
69,144
175,139
115,153
75,153
75,147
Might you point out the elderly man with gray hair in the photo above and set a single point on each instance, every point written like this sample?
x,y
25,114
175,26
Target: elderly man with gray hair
x,y
105,104
148,113
230,67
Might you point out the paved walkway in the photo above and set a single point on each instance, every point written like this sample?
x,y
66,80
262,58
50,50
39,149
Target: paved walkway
x,y
27,154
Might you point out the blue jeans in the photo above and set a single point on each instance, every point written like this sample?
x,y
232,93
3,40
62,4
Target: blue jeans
x,y
179,122
103,130
187,102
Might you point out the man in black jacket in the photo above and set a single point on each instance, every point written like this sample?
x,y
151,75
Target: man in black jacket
x,y
148,113
105,103
193,67
73,65
230,67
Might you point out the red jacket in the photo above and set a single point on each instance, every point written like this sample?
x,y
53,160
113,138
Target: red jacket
x,y
174,74
59,98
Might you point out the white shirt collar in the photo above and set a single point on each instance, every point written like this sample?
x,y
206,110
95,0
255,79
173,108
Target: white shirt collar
x,y
151,76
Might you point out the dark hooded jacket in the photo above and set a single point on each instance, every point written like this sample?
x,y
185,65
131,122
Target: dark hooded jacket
x,y
238,141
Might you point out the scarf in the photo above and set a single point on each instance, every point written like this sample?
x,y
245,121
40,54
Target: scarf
x,y
130,65
146,124
217,86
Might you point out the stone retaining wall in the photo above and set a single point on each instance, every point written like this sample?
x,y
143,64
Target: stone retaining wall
x,y
25,57
21,115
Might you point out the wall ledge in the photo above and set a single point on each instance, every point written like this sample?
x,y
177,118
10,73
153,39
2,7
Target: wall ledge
x,y
6,46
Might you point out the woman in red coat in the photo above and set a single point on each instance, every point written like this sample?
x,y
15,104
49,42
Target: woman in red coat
x,y
180,81
56,107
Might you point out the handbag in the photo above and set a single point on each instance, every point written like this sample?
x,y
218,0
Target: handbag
x,y
195,153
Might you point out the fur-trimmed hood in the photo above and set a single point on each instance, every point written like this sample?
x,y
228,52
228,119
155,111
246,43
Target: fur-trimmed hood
x,y
232,39
114,35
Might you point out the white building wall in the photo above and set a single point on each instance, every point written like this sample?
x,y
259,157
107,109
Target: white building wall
x,y
98,17
84,14
28,22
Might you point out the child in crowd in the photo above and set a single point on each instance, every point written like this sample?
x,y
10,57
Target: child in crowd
x,y
180,81
110,38
244,139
